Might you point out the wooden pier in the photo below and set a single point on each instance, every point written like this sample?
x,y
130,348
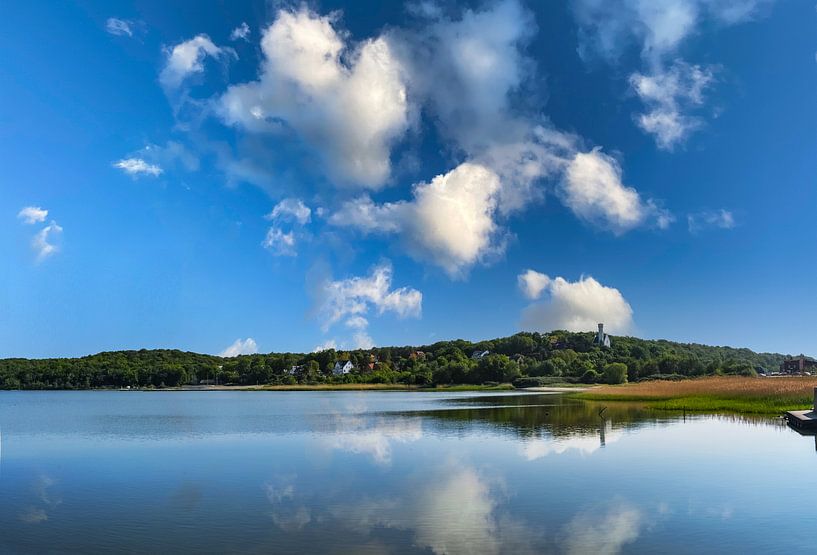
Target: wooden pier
x,y
803,420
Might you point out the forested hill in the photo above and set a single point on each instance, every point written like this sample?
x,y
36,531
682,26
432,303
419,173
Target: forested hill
x,y
542,358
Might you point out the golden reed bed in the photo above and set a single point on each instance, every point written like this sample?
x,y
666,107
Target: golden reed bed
x,y
716,394
717,386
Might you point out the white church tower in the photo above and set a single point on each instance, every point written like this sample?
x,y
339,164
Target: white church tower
x,y
602,338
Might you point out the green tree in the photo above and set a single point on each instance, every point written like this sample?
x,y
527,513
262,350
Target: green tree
x,y
590,376
615,373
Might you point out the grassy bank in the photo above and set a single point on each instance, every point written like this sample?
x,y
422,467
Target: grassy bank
x,y
715,394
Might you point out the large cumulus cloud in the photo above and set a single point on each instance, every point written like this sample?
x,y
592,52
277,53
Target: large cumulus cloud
x,y
348,102
575,305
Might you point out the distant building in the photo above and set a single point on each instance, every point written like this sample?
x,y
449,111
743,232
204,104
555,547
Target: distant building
x,y
477,355
373,362
293,370
343,367
601,339
797,365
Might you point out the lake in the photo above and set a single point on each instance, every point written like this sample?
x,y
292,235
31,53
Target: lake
x,y
393,472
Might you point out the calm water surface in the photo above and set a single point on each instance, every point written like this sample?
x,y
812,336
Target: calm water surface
x,y
377,472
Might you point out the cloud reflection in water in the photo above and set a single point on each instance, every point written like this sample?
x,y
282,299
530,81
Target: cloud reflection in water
x,y
455,511
603,530
361,436
586,444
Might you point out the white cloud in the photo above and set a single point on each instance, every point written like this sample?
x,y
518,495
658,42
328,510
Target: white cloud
x,y
119,27
291,209
466,68
186,58
280,243
353,102
362,340
667,95
466,73
32,214
363,214
136,166
450,221
453,221
721,219
348,103
593,190
532,283
354,296
325,346
579,306
660,28
357,323
240,347
172,153
427,9
43,242
241,32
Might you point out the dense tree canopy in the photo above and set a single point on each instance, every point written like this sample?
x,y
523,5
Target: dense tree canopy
x,y
559,356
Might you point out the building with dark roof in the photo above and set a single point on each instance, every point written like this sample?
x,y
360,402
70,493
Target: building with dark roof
x,y
798,365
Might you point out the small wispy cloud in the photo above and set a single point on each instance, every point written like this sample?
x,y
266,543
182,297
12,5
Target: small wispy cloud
x,y
119,27
241,32
669,95
288,210
187,58
291,209
325,346
43,242
709,219
280,243
137,166
32,214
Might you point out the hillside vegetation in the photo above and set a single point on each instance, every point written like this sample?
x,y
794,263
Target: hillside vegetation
x,y
525,359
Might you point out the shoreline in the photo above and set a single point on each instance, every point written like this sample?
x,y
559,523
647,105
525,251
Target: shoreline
x,y
346,387
338,387
300,387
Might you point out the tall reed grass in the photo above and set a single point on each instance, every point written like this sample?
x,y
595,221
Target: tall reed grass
x,y
718,393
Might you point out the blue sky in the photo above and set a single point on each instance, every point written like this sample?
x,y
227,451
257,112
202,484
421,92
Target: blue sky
x,y
278,177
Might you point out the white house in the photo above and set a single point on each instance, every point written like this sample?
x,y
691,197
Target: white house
x,y
602,338
343,367
477,355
